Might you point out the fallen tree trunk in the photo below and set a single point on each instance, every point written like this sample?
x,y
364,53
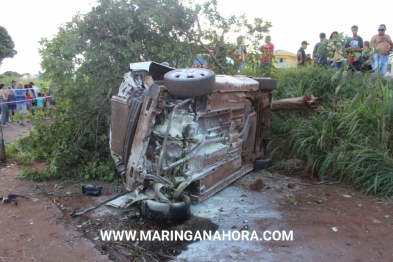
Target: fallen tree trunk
x,y
297,103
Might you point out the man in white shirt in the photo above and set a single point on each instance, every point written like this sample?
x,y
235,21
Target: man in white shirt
x,y
36,90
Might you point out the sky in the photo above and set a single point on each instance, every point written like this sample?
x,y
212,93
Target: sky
x,y
27,21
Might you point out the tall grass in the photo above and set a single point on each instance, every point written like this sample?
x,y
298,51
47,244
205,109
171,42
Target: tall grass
x,y
350,140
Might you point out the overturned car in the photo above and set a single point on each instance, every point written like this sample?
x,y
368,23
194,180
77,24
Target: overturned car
x,y
181,135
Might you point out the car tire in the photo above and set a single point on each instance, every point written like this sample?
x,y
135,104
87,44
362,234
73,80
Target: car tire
x,y
167,211
190,82
266,83
260,164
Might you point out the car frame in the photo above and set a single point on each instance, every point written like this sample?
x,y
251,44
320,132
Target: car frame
x,y
181,135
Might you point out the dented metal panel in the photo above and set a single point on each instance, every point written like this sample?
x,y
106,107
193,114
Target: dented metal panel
x,y
226,83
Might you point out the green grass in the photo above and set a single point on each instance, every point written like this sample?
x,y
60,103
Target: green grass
x,y
350,140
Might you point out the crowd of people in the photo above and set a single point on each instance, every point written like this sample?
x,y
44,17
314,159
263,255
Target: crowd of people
x,y
372,55
18,97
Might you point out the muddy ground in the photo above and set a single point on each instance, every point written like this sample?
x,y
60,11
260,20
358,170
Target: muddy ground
x,y
330,222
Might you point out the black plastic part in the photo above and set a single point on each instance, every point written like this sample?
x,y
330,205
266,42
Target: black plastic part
x,y
167,211
91,190
266,83
264,163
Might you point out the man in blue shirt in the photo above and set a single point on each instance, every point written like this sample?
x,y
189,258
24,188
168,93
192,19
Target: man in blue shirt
x,y
20,95
319,55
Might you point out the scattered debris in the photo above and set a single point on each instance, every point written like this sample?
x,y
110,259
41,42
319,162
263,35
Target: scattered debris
x,y
91,190
14,215
11,199
291,185
348,196
335,229
257,185
245,228
376,221
293,201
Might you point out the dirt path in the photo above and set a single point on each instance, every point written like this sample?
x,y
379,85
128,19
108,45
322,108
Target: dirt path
x,y
329,222
34,230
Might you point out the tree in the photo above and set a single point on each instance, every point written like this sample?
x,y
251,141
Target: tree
x,y
12,74
6,45
88,57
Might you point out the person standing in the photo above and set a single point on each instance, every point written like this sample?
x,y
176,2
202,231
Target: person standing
x,y
267,50
12,86
34,93
3,104
301,55
29,97
20,94
11,102
40,101
240,52
382,44
319,53
355,46
337,54
221,54
365,59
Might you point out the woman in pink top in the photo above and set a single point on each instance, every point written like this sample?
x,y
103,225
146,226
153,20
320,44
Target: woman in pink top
x,y
267,50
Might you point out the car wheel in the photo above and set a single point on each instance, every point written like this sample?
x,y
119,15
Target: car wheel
x,y
179,210
190,82
264,163
266,83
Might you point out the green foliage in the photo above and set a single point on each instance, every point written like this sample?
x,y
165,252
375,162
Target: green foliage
x,y
6,45
294,82
34,174
14,153
66,160
11,74
350,140
256,68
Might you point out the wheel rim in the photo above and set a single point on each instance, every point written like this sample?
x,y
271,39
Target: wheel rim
x,y
190,74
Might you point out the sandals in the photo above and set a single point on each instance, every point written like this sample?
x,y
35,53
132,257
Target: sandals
x,y
22,124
